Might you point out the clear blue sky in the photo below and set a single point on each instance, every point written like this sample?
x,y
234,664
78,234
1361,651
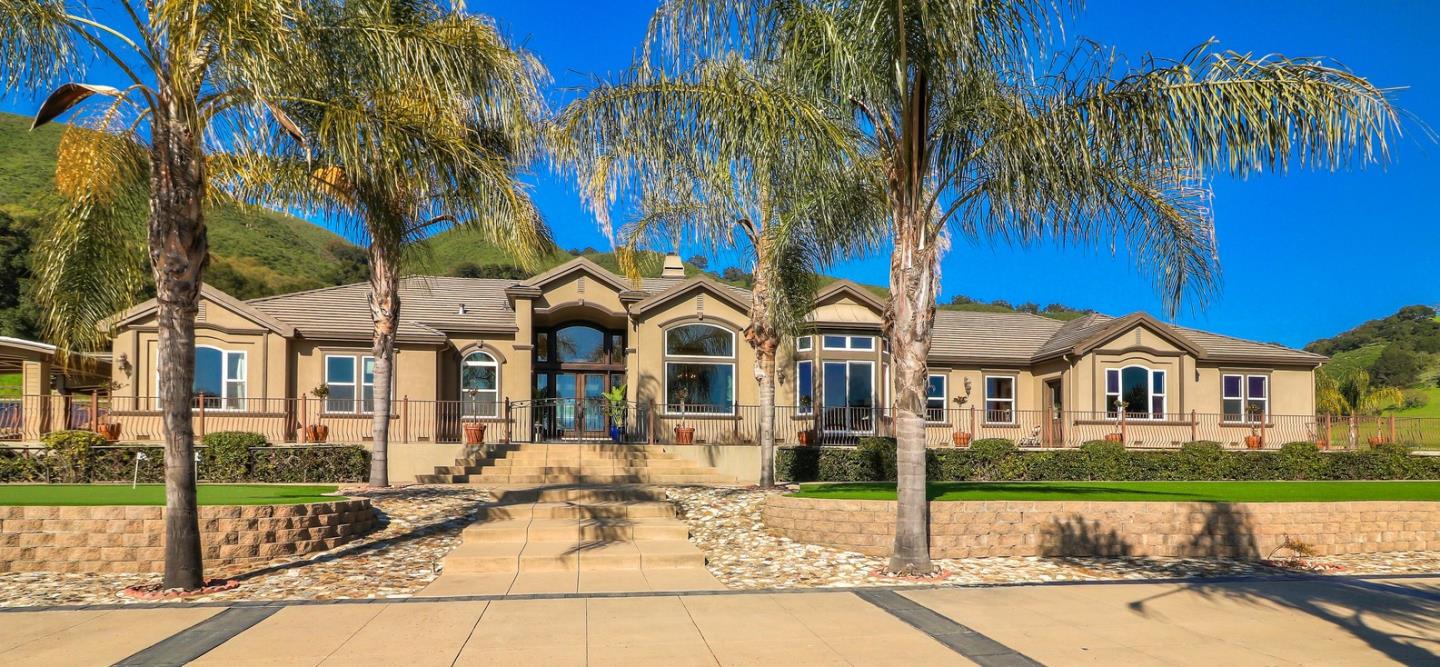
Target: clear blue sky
x,y
1304,255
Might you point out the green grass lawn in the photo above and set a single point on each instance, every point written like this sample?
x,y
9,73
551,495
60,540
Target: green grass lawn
x,y
1254,492
154,494
10,385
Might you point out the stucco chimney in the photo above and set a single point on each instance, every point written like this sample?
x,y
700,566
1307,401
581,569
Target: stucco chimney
x,y
674,268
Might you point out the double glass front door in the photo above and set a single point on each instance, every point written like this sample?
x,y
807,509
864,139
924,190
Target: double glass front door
x,y
573,404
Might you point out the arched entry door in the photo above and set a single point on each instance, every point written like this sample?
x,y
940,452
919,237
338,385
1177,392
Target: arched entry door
x,y
575,364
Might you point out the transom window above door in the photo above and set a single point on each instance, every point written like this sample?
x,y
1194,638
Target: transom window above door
x,y
1141,389
700,340
579,344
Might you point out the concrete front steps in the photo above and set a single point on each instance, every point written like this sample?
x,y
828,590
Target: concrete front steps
x,y
574,540
576,464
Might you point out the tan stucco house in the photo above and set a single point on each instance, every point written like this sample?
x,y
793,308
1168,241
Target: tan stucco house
x,y
531,359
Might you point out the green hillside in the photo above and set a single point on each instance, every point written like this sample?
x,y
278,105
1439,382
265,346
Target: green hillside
x,y
1401,350
254,252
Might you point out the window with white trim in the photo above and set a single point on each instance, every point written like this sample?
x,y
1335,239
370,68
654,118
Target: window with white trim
x,y
804,387
1245,397
350,391
691,380
935,398
999,399
480,385
842,343
848,396
1142,389
804,343
220,378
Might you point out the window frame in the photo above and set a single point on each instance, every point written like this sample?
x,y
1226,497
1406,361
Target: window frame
x,y
1244,398
357,365
1150,393
944,396
804,343
225,397
874,408
672,409
808,387
734,342
1014,389
464,404
849,344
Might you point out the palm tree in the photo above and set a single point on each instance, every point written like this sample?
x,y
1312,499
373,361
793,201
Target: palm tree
x,y
423,128
188,74
726,155
977,144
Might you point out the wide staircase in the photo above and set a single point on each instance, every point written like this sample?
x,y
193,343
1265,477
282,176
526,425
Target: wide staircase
x,y
575,463
574,539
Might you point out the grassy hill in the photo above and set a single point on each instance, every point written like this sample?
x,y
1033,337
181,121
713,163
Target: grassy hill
x,y
1401,350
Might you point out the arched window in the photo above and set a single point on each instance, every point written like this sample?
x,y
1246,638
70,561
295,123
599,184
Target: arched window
x,y
580,343
695,381
1141,389
700,340
480,385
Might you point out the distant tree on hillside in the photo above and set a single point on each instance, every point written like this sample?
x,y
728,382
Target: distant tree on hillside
x,y
960,300
1397,366
1412,326
699,261
19,317
354,265
504,271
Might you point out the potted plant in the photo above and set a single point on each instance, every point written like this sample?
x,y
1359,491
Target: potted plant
x,y
1120,413
962,438
318,432
615,403
806,436
1255,440
684,435
109,430
473,428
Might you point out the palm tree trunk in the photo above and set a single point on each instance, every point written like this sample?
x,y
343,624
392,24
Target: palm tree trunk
x,y
385,312
178,254
763,339
914,286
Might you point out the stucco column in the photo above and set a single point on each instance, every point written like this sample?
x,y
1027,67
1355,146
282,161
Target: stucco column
x,y
35,406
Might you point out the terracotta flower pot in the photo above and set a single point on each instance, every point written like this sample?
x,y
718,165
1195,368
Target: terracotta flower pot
x,y
1322,444
684,435
805,437
474,433
110,431
1114,437
1254,441
1375,440
321,432
961,438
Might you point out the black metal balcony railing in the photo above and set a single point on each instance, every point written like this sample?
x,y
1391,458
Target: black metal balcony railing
x,y
309,419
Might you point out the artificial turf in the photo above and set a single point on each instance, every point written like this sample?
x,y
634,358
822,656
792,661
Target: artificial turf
x,y
1249,492
154,494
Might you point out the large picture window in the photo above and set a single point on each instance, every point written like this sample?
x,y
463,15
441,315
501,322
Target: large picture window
x,y
1245,397
219,378
703,386
999,399
480,385
1143,390
935,399
351,381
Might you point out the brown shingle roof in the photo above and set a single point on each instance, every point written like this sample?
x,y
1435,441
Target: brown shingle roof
x,y
429,306
965,335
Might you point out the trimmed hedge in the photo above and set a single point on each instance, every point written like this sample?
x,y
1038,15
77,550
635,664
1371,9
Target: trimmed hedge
x,y
228,456
998,460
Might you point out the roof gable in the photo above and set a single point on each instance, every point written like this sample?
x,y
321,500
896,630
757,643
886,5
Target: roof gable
x,y
216,296
693,284
1119,327
578,265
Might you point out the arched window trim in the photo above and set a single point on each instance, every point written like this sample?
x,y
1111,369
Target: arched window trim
x,y
471,403
1150,393
734,341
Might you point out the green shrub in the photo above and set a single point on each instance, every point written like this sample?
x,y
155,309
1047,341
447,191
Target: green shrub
x,y
226,457
328,463
1195,461
1105,460
117,463
68,454
877,458
16,465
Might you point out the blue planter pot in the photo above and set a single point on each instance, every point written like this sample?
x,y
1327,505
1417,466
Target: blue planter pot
x,y
615,434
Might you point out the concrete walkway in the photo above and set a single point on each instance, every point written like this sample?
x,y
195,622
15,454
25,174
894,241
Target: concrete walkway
x,y
1250,622
575,539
